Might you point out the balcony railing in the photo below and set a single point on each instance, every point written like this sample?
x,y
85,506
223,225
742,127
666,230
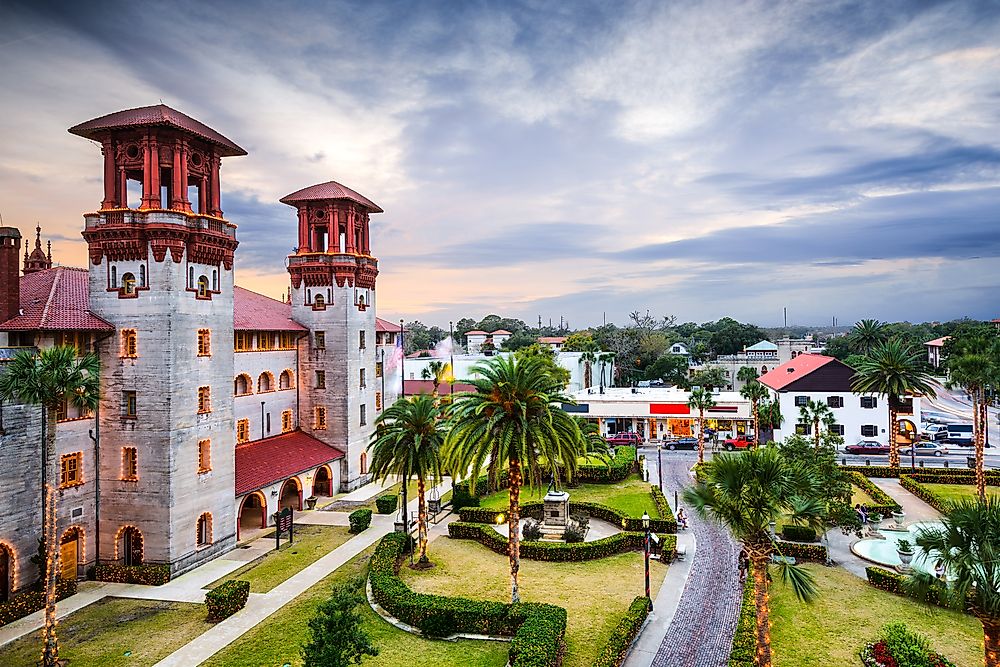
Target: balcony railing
x,y
125,217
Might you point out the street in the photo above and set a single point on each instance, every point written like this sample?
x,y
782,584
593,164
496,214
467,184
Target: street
x,y
956,458
955,404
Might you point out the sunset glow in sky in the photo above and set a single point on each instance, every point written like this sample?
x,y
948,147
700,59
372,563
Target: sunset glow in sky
x,y
699,159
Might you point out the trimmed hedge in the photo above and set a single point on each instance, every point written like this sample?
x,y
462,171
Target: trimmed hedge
x,y
23,604
535,508
992,476
387,504
744,652
662,506
798,533
538,629
884,503
226,599
149,575
360,519
891,581
810,552
614,651
560,551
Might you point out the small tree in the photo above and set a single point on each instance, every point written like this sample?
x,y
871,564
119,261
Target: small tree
x,y
814,413
336,638
701,400
755,392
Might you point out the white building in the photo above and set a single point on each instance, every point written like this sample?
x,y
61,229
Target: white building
x,y
554,342
825,379
475,340
762,356
934,349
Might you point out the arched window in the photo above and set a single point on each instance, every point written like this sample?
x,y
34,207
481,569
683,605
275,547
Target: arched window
x,y
319,303
203,286
763,369
114,277
142,275
242,385
265,382
364,463
128,283
191,277
215,279
204,530
285,380
128,546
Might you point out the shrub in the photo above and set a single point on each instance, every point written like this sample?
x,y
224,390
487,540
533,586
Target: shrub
x,y
798,533
663,507
620,467
23,604
811,552
884,503
531,531
226,599
891,581
387,504
558,551
940,474
360,519
573,534
744,653
537,629
149,575
901,647
336,636
534,509
614,651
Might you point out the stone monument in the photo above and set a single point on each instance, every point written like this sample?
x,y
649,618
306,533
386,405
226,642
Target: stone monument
x,y
556,514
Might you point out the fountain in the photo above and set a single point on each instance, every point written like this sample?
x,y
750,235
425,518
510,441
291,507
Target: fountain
x,y
885,549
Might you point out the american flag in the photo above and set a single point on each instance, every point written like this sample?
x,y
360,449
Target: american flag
x,y
397,354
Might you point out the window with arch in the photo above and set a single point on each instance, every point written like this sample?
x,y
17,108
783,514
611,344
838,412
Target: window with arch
x,y
114,277
203,287
215,279
205,530
142,275
265,382
286,380
130,343
364,463
243,386
763,369
204,342
204,400
204,456
130,464
319,303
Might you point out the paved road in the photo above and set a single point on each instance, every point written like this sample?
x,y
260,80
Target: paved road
x,y
954,404
701,633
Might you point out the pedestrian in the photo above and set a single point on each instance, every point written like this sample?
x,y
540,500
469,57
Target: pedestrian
x,y
744,563
939,570
682,520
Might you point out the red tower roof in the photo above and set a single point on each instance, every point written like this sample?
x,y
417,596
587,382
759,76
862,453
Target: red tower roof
x,y
329,190
159,114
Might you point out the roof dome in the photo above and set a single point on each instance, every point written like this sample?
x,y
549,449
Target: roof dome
x,y
329,190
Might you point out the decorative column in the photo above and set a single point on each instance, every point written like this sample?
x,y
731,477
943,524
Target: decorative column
x,y
335,228
110,187
153,176
203,195
216,206
147,157
185,202
350,232
177,201
304,244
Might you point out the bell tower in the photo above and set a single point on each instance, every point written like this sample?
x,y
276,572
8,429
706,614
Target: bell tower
x,y
161,271
333,294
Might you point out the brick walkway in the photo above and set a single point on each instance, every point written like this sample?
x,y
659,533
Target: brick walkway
x,y
701,633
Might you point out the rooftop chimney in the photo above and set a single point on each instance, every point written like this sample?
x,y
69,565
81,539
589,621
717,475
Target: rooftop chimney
x,y
10,283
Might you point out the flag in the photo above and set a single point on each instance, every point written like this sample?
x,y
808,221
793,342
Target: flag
x,y
397,354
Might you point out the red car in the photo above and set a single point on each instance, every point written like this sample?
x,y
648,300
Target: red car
x,y
867,447
741,442
624,439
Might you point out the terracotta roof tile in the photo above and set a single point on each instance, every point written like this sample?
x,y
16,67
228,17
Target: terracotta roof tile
x,y
937,342
793,370
385,326
56,299
549,340
329,190
252,311
159,114
264,462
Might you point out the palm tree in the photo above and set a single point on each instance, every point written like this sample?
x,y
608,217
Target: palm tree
x,y
755,392
974,369
745,493
513,418
434,370
52,378
894,371
769,413
814,413
701,400
967,545
588,358
867,335
407,443
594,444
747,374
605,358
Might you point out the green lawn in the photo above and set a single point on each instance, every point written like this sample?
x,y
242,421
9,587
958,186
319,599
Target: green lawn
x,y
311,543
630,496
953,492
102,633
849,613
860,497
411,490
595,593
278,639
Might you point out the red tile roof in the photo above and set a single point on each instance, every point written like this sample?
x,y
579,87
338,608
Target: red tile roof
x,y
159,114
56,299
558,340
262,313
329,190
793,370
937,342
264,462
385,326
476,332
502,332
427,386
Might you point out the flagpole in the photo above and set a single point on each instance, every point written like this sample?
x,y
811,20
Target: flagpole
x,y
451,335
402,362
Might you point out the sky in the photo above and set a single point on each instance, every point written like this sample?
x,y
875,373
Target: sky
x,y
557,159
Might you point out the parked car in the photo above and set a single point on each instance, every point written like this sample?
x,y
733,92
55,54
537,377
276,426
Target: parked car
x,y
925,449
682,443
628,438
934,431
739,442
867,447
958,434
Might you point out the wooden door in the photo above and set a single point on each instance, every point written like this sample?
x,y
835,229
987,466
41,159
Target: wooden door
x,y
4,575
68,554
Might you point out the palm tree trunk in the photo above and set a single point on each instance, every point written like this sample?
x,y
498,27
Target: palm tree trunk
x,y
756,424
816,434
514,526
50,644
991,636
701,436
978,427
758,563
893,437
587,376
421,521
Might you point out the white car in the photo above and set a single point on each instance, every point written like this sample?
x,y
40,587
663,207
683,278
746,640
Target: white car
x,y
934,431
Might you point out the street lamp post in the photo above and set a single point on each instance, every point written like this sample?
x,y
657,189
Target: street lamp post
x,y
645,543
659,464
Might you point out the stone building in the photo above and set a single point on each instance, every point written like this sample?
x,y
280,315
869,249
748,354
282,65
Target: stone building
x,y
219,406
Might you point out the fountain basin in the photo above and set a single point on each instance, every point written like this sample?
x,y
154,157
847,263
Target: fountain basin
x,y
884,551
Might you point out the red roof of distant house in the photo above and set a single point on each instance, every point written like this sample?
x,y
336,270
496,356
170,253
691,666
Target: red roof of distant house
x,y
386,326
476,332
264,462
329,190
55,299
427,386
937,342
552,340
256,311
502,332
159,114
793,370
420,354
